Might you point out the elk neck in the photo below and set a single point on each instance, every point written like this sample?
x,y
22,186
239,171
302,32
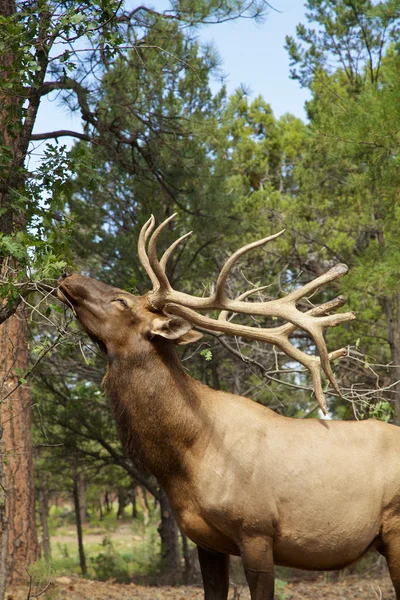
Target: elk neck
x,y
157,406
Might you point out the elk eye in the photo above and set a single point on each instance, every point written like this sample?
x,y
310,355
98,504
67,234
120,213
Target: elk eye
x,y
123,302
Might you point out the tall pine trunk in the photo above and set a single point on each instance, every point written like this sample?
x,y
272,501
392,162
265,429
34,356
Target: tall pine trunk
x,y
3,526
16,417
18,511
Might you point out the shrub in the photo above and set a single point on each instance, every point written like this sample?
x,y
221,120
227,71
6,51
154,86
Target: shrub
x,y
109,564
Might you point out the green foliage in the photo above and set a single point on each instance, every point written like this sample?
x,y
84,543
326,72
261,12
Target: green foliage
x,y
122,553
347,37
281,593
40,52
382,411
229,165
348,178
108,564
42,574
33,241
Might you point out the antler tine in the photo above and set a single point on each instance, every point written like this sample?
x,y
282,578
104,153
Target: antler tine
x,y
315,330
223,315
311,363
324,359
317,385
158,295
334,273
220,285
316,311
144,259
169,251
288,328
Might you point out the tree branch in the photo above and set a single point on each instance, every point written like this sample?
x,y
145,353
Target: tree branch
x,y
67,83
60,133
7,311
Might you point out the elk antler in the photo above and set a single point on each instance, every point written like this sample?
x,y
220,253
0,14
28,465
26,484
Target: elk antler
x,y
313,321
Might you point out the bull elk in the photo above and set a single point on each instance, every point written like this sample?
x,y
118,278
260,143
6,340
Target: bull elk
x,y
241,479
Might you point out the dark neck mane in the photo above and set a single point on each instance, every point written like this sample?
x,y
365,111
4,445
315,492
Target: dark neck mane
x,y
155,405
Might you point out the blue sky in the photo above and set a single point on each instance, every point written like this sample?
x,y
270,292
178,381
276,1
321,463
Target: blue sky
x,y
252,54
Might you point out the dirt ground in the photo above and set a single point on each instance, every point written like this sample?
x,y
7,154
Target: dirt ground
x,y
68,588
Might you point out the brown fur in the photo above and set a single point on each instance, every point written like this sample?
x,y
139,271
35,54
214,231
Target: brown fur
x,y
240,478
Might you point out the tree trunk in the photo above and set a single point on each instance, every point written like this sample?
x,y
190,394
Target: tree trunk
x,y
43,515
187,573
107,502
82,487
141,496
145,499
82,558
168,530
3,527
100,510
392,313
122,501
15,412
16,417
133,500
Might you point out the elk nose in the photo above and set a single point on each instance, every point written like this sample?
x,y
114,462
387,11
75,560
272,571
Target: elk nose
x,y
64,275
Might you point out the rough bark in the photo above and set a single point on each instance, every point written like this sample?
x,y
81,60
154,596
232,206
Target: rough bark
x,y
3,527
168,530
15,409
43,515
16,416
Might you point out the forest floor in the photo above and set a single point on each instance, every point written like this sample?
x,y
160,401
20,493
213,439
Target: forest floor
x,y
72,588
129,551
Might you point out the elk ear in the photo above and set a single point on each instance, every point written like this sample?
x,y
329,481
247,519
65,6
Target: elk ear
x,y
189,338
174,328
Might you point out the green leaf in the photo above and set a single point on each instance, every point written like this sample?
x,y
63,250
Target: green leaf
x,y
207,354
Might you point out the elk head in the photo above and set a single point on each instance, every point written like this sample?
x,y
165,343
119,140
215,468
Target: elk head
x,y
114,318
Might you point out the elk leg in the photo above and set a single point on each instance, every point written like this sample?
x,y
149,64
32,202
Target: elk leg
x,y
257,558
214,568
392,555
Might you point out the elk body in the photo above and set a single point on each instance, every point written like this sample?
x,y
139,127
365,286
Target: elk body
x,y
242,480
